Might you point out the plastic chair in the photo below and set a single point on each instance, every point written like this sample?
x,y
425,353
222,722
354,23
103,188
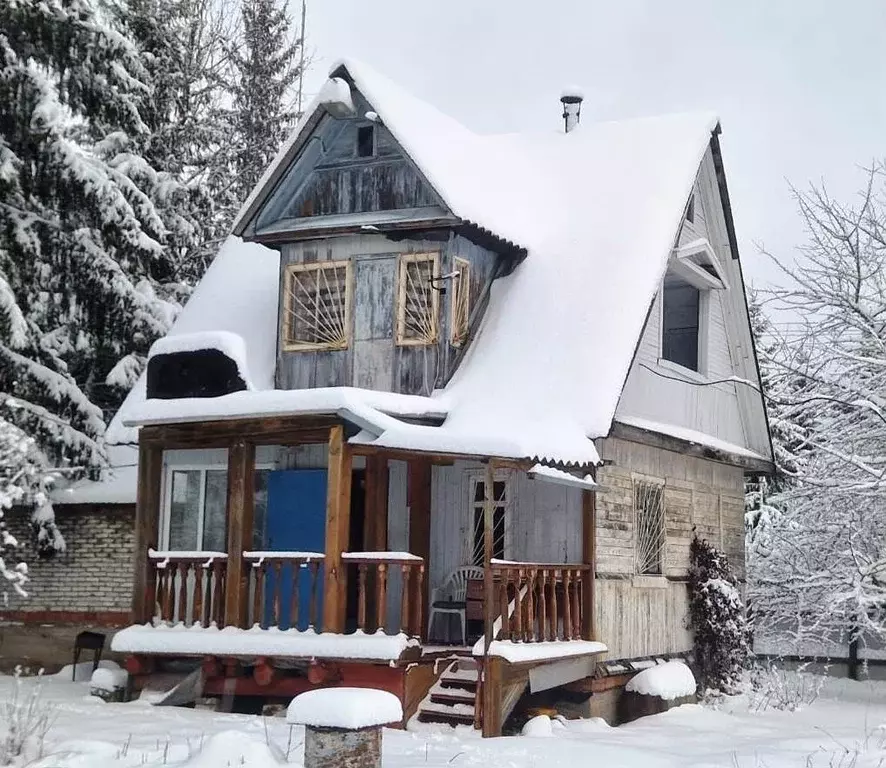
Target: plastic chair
x,y
450,597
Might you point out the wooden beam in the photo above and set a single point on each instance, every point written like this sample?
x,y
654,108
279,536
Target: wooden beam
x,y
269,430
375,532
442,459
338,524
492,698
240,508
418,501
147,525
589,556
488,549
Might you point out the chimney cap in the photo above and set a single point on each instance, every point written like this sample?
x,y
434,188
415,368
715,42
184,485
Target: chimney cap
x,y
572,95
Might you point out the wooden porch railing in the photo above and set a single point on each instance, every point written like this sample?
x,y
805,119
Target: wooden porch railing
x,y
189,587
276,587
540,602
372,570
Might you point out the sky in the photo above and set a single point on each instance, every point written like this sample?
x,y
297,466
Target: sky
x,y
799,85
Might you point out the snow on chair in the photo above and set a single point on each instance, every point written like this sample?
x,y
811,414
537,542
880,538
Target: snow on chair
x,y
450,597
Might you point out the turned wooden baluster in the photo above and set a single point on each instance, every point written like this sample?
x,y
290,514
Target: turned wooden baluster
x,y
169,594
218,592
554,611
278,591
416,624
567,604
503,606
404,600
543,605
518,607
381,595
258,575
182,610
312,612
361,596
198,594
293,603
576,605
532,606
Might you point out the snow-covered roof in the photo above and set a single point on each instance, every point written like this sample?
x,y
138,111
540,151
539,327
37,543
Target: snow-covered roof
x,y
597,210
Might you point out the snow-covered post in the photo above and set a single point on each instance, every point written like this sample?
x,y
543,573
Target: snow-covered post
x,y
343,726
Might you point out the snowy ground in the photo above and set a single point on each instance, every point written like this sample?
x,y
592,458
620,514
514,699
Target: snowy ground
x,y
844,727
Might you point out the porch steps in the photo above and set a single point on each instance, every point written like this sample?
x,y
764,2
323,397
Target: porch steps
x,y
451,700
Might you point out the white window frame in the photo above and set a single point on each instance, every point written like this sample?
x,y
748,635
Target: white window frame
x,y
479,477
315,266
403,262
637,479
166,495
461,285
704,323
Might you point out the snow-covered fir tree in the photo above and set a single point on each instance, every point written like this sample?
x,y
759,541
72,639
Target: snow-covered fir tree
x,y
84,275
824,576
267,68
716,618
185,48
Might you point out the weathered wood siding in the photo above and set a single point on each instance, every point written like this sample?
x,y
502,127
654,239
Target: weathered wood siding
x,y
373,360
639,616
329,178
725,410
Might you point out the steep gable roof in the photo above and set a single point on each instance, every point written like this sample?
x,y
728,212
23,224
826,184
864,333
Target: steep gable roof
x,y
597,210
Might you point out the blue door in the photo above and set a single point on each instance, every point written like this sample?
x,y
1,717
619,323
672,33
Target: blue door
x,y
296,522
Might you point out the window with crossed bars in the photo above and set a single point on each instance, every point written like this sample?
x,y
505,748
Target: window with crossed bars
x,y
317,300
418,300
649,527
499,507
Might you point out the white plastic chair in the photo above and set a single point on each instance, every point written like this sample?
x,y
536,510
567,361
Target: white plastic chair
x,y
449,597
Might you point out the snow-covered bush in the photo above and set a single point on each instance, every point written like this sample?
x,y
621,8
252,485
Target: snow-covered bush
x,y
717,619
772,687
27,718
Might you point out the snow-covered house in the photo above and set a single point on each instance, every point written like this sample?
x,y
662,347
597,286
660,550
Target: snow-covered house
x,y
437,377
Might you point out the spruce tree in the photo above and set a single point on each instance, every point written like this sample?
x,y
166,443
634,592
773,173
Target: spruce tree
x,y
84,273
267,68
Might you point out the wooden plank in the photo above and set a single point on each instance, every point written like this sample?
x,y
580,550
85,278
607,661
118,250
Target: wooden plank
x,y
270,430
589,557
240,507
492,698
418,500
375,536
338,518
546,676
147,523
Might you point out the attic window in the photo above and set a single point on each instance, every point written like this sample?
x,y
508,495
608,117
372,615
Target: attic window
x,y
461,302
690,210
417,300
649,527
680,323
317,301
365,141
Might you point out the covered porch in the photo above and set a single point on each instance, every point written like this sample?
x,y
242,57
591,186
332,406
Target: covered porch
x,y
286,617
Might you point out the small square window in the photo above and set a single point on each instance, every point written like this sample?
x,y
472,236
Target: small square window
x,y
649,527
418,300
365,141
317,306
461,303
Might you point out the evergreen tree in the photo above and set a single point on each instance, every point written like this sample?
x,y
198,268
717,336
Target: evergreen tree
x,y
267,68
716,618
84,273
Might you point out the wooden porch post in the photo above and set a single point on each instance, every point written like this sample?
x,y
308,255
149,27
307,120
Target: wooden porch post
x,y
491,666
418,499
375,533
147,523
589,556
338,524
240,508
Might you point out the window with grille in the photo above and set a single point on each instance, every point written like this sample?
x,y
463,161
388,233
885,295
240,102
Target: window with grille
x,y
317,306
478,500
681,323
461,302
418,304
649,527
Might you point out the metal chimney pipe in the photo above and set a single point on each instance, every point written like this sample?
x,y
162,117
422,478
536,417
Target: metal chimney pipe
x,y
571,98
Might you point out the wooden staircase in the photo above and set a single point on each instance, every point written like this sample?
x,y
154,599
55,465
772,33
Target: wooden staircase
x,y
452,699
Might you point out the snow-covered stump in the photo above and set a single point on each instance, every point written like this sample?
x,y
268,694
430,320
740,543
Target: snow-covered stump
x,y
343,726
658,689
